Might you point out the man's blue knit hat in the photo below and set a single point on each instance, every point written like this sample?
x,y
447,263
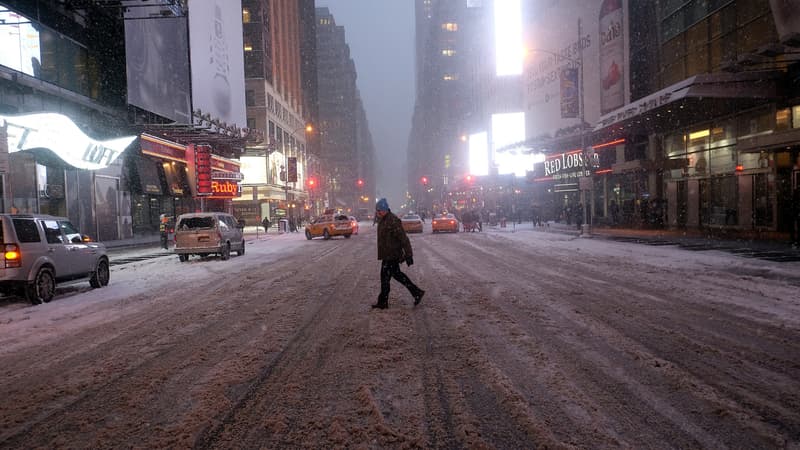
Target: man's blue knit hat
x,y
382,205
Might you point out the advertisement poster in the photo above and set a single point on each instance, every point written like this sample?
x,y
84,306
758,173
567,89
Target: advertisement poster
x,y
564,36
217,55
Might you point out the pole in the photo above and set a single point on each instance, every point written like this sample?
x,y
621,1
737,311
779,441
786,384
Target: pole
x,y
585,226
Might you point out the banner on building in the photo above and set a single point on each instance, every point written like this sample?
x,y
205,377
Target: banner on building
x,y
292,169
570,100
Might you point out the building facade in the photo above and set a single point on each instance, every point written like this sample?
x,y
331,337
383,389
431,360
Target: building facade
x,y
346,147
281,96
99,123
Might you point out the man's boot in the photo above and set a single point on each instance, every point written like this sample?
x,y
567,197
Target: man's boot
x,y
382,304
418,297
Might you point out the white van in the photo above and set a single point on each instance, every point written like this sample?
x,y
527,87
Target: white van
x,y
208,233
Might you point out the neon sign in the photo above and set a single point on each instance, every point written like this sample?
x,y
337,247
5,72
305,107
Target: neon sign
x,y
59,133
225,189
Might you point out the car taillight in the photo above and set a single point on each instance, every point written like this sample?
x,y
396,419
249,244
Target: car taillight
x,y
452,222
12,256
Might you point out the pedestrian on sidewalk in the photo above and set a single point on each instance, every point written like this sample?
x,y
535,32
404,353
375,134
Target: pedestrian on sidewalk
x,y
164,231
393,248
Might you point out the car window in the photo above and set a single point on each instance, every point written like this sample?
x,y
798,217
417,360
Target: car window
x,y
70,231
26,230
196,223
52,232
223,223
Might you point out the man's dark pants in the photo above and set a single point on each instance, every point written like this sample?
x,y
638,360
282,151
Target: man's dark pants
x,y
390,269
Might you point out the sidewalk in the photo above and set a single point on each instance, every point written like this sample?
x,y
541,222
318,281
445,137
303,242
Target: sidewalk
x,y
720,239
151,244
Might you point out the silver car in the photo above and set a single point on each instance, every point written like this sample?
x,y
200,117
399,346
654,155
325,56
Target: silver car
x,y
208,233
40,251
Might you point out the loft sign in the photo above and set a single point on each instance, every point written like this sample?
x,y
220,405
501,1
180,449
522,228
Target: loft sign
x,y
59,134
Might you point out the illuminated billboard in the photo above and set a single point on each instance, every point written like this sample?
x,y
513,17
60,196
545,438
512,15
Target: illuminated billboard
x,y
19,43
254,169
575,53
509,128
217,55
508,37
157,65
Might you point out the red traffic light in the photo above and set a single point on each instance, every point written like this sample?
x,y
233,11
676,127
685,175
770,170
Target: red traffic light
x,y
469,178
312,182
360,182
424,180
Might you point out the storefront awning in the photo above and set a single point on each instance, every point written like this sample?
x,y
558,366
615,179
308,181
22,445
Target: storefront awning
x,y
695,98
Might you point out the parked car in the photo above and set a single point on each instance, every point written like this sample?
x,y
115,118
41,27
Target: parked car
x,y
328,226
445,222
412,223
208,233
354,223
40,251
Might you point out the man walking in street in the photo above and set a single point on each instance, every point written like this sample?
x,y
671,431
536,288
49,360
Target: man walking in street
x,y
393,248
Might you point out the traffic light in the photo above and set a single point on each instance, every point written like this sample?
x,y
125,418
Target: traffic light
x,y
312,183
424,181
360,182
469,179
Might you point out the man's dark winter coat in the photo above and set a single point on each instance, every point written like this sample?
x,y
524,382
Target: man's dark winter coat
x,y
393,243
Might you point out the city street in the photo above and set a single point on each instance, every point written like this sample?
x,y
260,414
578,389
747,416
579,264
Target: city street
x,y
525,338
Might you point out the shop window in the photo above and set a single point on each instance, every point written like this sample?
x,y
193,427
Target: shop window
x,y
719,201
796,117
783,119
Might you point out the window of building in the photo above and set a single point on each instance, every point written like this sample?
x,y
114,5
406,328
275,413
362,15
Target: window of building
x,y
270,103
248,45
448,52
796,117
783,119
250,97
449,77
251,123
245,15
450,26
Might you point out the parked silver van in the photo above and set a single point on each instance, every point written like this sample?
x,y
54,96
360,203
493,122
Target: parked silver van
x,y
41,250
208,233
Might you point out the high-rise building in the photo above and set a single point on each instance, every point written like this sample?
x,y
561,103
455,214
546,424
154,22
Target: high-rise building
x,y
346,147
280,78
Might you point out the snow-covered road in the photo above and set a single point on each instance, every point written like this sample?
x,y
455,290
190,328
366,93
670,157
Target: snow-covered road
x,y
523,340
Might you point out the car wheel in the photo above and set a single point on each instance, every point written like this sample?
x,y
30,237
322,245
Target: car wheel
x,y
43,287
183,258
308,235
240,252
226,252
347,236
326,235
101,275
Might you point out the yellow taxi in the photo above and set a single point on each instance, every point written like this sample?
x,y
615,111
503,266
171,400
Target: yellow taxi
x,y
445,222
412,223
328,226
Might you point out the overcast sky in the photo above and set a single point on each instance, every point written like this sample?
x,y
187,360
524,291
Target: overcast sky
x,y
381,38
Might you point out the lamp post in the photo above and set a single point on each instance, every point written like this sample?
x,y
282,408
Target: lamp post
x,y
308,128
586,227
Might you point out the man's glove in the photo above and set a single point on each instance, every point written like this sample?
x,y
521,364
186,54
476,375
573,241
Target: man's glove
x,y
409,260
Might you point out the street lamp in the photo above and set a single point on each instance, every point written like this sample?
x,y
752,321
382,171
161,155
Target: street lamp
x,y
308,129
